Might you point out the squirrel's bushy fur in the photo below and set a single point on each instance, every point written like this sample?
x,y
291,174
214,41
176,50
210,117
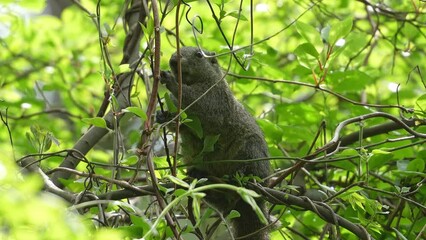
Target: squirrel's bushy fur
x,y
220,114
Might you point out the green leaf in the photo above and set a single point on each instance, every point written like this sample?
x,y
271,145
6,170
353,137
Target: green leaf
x,y
379,158
346,165
404,173
349,152
308,49
196,209
380,151
235,15
149,28
354,43
194,125
355,199
217,2
307,55
271,130
31,140
350,191
233,214
169,103
35,130
124,68
140,222
137,111
410,31
419,224
47,143
310,34
114,102
209,142
179,192
247,195
420,106
222,14
416,165
349,81
96,121
130,160
340,30
399,234
53,139
178,181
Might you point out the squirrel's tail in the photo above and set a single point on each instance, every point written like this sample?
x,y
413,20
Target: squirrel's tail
x,y
248,225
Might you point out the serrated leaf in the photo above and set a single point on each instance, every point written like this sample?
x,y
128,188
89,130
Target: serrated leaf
x,y
96,121
137,111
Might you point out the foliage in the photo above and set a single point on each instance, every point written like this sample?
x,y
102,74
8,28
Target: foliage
x,y
28,213
336,86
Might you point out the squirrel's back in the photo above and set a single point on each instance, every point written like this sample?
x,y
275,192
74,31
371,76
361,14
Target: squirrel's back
x,y
207,97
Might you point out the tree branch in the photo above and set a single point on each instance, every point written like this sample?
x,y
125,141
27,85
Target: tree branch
x,y
94,134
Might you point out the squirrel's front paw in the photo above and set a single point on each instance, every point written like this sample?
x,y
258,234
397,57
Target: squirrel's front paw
x,y
162,117
166,77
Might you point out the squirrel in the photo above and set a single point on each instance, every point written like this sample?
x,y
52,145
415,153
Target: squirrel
x,y
221,115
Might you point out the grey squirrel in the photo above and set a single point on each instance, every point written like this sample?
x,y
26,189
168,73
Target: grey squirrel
x,y
221,115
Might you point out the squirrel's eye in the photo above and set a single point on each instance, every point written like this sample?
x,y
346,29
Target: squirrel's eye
x,y
199,55
213,60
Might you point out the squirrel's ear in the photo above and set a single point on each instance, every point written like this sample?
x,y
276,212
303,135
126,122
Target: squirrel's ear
x,y
199,54
213,59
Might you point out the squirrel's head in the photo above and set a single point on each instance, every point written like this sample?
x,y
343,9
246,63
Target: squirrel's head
x,y
197,65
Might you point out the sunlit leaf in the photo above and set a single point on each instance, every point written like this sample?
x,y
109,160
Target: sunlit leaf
x,y
96,121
